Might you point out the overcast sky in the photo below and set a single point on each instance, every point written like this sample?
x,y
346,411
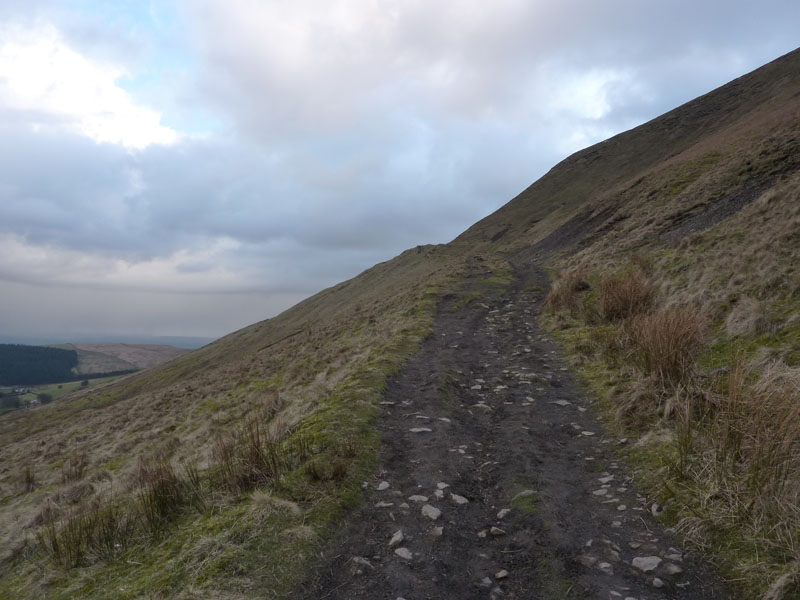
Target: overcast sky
x,y
189,167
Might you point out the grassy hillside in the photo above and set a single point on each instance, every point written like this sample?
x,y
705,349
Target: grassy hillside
x,y
678,296
674,248
239,453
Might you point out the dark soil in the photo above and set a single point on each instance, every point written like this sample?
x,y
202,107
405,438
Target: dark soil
x,y
504,416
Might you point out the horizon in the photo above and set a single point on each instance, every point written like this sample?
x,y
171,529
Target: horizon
x,y
208,165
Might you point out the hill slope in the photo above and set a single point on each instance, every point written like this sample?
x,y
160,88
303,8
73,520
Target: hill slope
x,y
223,471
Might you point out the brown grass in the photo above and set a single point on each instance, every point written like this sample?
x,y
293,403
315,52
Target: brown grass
x,y
665,344
563,294
625,294
74,467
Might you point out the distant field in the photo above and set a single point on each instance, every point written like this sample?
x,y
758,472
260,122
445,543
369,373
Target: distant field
x,y
58,390
108,358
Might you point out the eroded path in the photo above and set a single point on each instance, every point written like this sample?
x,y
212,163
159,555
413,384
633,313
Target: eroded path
x,y
498,481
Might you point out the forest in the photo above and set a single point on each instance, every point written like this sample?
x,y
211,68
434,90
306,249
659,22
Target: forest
x,y
34,365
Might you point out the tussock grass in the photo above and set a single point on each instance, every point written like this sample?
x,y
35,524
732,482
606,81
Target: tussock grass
x,y
564,292
74,467
665,344
625,294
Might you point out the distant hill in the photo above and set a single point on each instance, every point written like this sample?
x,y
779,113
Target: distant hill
x,y
113,357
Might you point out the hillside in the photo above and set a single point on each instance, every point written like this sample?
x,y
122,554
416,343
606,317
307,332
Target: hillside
x,y
111,357
673,247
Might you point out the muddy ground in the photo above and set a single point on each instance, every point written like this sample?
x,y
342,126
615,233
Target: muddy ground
x,y
498,479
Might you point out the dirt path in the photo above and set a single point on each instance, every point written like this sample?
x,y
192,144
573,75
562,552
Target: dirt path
x,y
498,481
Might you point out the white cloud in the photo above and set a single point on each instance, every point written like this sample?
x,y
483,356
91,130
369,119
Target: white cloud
x,y
40,73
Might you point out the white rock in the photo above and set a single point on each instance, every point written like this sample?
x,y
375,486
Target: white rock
x,y
501,574
396,538
404,553
418,498
657,583
672,569
646,563
497,531
437,531
431,512
442,485
420,430
561,402
458,499
383,485
503,513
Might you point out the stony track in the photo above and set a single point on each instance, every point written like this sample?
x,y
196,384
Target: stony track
x,y
499,481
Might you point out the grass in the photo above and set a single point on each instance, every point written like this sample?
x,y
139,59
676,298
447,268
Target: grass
x,y
171,458
721,451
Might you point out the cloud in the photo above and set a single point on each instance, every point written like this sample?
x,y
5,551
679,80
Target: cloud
x,y
40,72
232,157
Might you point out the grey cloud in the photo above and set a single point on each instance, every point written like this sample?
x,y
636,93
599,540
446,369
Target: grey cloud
x,y
402,133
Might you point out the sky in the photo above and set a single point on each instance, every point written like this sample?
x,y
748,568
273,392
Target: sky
x,y
190,167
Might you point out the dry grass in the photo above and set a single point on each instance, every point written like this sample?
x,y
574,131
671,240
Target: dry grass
x,y
74,467
625,294
665,343
564,291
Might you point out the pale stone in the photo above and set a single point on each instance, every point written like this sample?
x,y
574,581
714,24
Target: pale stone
x,y
396,538
646,563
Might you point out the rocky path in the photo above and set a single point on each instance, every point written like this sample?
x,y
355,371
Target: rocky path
x,y
498,481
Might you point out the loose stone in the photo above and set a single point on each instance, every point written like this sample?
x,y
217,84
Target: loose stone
x,y
646,563
431,512
672,569
418,498
503,513
458,499
396,538
383,485
420,430
497,531
404,553
502,574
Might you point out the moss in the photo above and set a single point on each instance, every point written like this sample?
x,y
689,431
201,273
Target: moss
x,y
523,501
